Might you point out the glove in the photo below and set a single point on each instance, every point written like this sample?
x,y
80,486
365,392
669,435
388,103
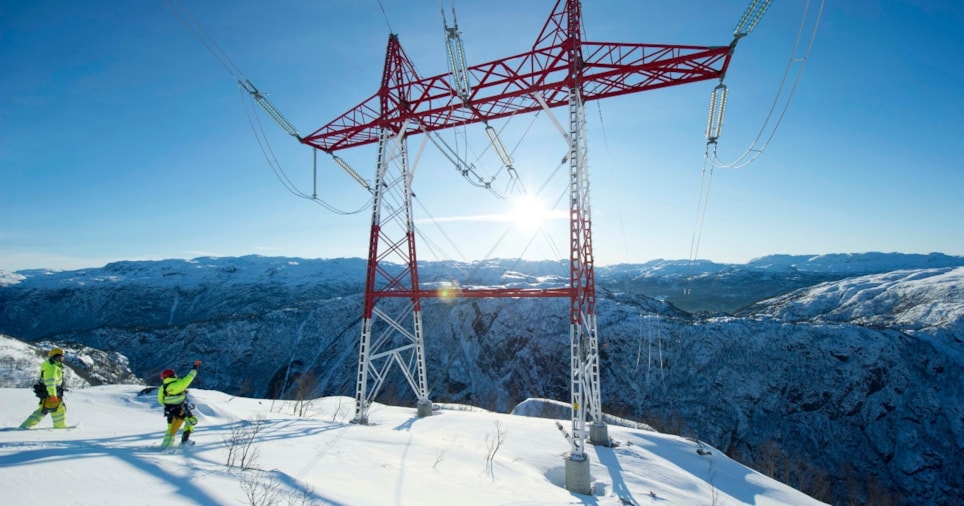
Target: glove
x,y
197,363
53,399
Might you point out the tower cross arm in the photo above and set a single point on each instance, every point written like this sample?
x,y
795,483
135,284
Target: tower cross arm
x,y
612,69
508,86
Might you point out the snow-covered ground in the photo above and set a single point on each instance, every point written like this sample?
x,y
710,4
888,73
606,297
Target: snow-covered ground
x,y
112,456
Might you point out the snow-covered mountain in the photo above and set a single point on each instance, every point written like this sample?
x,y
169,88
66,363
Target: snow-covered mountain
x,y
83,366
920,300
846,389
702,285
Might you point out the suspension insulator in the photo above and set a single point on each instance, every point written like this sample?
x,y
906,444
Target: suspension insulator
x,y
351,172
714,123
751,17
456,54
457,64
746,16
498,146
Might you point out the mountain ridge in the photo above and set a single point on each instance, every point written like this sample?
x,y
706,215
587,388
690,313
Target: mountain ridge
x,y
876,371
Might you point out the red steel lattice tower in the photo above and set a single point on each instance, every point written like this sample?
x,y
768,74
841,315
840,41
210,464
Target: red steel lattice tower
x,y
559,70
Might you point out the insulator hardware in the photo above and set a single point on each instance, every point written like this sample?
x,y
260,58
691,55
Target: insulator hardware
x,y
269,108
714,123
751,17
498,146
456,57
351,172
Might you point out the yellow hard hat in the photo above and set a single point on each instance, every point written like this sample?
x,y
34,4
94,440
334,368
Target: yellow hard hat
x,y
54,352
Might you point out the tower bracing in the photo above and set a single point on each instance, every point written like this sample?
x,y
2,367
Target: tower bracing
x,y
560,70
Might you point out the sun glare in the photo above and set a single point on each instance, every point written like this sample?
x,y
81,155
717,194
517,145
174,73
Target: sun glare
x,y
528,213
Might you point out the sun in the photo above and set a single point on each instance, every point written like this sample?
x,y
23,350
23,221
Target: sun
x,y
528,213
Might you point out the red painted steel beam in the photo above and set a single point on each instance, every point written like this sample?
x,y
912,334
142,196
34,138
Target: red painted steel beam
x,y
504,87
477,293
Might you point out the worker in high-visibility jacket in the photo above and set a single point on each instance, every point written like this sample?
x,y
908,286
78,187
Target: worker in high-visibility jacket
x,y
172,394
51,393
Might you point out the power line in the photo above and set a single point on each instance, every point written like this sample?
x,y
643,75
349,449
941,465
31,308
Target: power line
x,y
714,123
257,128
754,150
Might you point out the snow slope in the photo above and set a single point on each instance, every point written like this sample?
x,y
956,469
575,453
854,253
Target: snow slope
x,y
112,457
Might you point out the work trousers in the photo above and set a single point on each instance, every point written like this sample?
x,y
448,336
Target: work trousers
x,y
57,410
178,415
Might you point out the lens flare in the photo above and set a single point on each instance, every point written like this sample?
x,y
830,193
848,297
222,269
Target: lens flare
x,y
448,292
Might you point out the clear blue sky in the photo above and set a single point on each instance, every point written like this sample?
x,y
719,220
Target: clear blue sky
x,y
124,139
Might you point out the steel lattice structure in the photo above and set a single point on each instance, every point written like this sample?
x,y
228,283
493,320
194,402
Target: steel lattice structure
x,y
515,84
561,69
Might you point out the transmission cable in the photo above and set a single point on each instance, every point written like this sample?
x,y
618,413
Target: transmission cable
x,y
706,177
246,87
752,152
257,128
715,121
195,28
440,229
385,15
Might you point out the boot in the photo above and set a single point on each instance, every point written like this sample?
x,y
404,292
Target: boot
x,y
185,437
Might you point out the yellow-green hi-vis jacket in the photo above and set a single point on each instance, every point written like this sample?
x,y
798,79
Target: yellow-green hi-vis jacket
x,y
52,372
174,390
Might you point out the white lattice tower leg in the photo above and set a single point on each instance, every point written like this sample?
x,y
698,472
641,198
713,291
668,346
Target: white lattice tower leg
x,y
424,404
361,382
392,270
584,345
577,267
